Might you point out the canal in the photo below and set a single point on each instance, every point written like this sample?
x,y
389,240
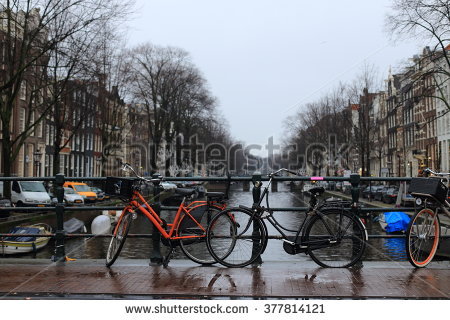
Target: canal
x,y
379,249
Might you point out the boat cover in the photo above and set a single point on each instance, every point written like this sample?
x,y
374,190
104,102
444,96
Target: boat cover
x,y
23,230
396,221
73,225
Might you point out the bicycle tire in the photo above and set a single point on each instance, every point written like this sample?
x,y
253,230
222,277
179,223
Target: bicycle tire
x,y
236,239
335,239
196,249
422,238
119,237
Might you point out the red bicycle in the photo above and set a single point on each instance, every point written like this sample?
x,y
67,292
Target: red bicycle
x,y
187,230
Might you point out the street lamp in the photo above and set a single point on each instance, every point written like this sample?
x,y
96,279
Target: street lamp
x,y
37,155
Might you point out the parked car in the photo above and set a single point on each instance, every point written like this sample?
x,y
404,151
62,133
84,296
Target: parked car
x,y
72,198
83,190
100,193
380,191
390,196
370,191
28,194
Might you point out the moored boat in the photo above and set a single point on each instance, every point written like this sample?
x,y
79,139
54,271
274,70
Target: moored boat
x,y
25,239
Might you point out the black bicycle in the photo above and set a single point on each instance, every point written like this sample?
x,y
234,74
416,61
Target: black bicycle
x,y
331,233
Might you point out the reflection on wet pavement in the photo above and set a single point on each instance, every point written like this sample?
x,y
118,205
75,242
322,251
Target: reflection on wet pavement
x,y
276,280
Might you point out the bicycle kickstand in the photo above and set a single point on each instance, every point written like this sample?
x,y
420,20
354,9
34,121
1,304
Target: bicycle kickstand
x,y
166,259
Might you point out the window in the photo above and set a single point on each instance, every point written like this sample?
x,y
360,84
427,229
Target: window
x,y
61,163
22,120
52,135
23,90
21,162
47,134
40,130
31,123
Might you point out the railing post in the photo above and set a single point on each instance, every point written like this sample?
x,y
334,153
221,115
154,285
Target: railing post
x,y
60,252
355,179
256,192
156,256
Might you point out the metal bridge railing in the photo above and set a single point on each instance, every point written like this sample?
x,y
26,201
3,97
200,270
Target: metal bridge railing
x,y
59,209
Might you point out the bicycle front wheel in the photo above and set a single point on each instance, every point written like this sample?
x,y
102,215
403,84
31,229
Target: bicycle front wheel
x,y
335,239
235,238
119,237
422,238
193,244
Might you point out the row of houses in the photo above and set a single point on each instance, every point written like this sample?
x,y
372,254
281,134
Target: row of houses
x,y
410,121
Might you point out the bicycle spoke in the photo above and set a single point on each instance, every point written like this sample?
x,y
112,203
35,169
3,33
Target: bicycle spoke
x,y
422,238
342,239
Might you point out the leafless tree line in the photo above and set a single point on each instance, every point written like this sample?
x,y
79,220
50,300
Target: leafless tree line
x,y
52,48
339,120
332,114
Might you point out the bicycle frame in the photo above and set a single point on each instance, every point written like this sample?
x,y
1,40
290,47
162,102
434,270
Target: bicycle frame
x,y
258,211
138,203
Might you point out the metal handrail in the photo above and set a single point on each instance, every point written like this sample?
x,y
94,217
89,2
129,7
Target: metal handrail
x,y
59,209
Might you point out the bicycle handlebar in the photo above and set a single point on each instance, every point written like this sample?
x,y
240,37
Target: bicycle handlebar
x,y
428,170
126,166
282,170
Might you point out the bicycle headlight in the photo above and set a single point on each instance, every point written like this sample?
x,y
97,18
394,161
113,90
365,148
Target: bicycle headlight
x,y
419,201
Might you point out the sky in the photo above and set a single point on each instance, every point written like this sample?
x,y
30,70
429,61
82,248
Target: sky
x,y
264,60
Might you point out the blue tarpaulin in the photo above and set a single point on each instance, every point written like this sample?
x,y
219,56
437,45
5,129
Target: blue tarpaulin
x,y
396,221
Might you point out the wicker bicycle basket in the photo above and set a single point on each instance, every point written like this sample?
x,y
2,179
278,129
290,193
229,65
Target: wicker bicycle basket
x,y
428,187
119,186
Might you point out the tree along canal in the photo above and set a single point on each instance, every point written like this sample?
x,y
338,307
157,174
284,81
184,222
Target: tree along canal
x,y
378,249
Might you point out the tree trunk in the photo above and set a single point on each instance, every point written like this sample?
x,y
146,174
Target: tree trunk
x,y
7,161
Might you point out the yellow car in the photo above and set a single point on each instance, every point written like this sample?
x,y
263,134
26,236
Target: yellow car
x,y
83,190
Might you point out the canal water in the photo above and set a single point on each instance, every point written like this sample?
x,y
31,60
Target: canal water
x,y
379,249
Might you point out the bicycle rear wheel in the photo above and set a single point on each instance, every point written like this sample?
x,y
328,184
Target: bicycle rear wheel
x,y
422,238
235,238
195,248
335,239
119,237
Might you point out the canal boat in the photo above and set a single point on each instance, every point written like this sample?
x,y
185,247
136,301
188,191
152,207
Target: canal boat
x,y
24,244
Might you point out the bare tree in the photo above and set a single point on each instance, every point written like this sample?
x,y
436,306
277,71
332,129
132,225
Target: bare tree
x,y
325,125
33,33
430,20
361,94
176,99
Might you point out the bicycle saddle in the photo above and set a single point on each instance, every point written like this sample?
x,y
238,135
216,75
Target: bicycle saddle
x,y
317,191
215,195
185,191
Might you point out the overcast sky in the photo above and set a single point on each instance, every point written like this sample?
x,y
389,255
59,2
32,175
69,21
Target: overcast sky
x,y
265,59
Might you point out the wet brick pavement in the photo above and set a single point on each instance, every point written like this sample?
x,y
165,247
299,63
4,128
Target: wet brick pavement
x,y
182,279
